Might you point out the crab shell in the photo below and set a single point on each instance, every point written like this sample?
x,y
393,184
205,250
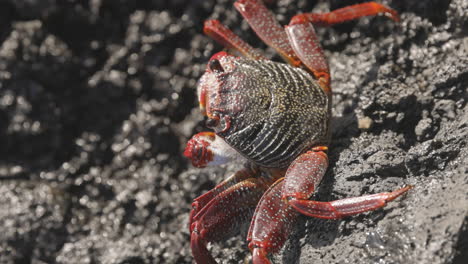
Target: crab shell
x,y
267,111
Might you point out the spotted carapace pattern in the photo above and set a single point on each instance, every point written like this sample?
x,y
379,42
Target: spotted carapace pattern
x,y
276,111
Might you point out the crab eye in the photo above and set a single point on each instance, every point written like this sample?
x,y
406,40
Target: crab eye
x,y
215,65
224,124
211,122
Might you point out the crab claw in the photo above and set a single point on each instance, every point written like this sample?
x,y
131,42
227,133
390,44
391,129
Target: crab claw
x,y
206,149
198,149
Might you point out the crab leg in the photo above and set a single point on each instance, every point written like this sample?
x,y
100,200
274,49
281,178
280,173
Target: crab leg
x,y
279,207
263,22
223,215
215,30
298,44
271,224
306,45
345,14
346,207
201,201
305,173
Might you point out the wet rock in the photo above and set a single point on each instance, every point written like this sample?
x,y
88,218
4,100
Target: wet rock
x,y
32,216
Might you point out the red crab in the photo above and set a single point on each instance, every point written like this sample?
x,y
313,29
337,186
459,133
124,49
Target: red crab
x,y
276,117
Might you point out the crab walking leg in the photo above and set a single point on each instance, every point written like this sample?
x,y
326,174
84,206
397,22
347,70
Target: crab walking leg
x,y
223,215
306,45
305,173
217,31
345,14
264,23
273,221
201,201
346,207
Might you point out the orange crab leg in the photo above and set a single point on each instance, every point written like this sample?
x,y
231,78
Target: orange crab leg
x,y
345,14
264,23
223,215
224,36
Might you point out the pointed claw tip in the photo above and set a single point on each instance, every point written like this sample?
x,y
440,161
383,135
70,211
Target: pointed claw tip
x,y
240,5
404,190
248,5
394,16
399,192
210,22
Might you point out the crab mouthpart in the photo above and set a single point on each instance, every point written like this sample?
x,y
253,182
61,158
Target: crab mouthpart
x,y
198,151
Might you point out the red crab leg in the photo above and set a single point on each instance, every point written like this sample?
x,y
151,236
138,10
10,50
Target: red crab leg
x,y
345,14
204,199
298,44
263,22
306,172
346,207
217,31
279,207
306,45
273,221
223,215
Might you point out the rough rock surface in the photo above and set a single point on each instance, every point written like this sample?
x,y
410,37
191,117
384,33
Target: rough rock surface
x,y
97,99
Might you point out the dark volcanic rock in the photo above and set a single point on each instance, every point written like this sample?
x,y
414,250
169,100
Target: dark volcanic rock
x,y
97,100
